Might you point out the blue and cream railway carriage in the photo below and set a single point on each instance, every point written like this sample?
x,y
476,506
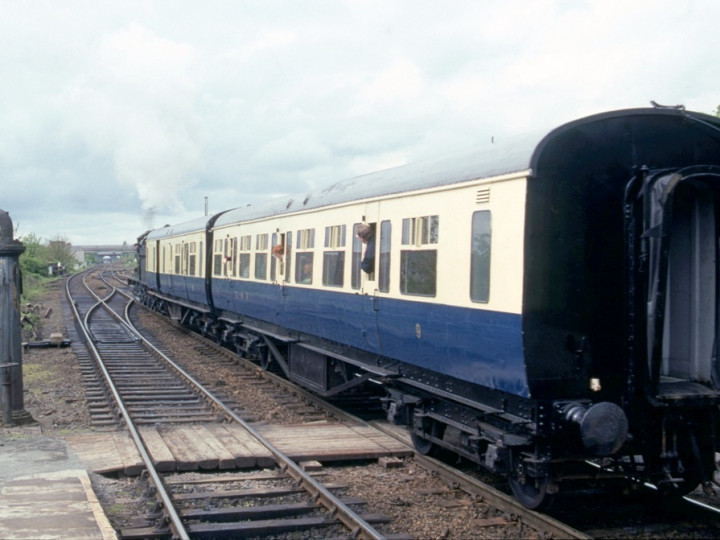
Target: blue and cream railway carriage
x,y
535,305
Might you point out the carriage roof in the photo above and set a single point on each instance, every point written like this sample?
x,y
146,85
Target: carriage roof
x,y
494,158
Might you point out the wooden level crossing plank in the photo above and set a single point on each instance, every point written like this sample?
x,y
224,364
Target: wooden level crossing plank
x,y
191,451
229,446
262,455
162,457
383,440
331,442
132,464
245,455
98,451
226,460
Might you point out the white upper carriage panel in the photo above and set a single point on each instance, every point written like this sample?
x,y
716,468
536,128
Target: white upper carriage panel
x,y
447,196
494,159
178,249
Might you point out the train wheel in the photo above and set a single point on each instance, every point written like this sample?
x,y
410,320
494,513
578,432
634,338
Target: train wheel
x,y
425,446
530,491
676,482
689,464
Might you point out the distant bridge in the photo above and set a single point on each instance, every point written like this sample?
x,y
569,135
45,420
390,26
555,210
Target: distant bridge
x,y
101,251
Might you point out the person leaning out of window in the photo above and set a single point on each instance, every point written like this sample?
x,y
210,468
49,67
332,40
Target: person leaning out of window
x,y
367,237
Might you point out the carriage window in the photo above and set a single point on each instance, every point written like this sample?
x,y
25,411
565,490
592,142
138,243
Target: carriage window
x,y
363,255
261,266
334,256
304,257
261,242
192,259
420,231
275,260
217,258
357,248
418,272
231,245
177,258
335,236
261,245
185,258
384,267
244,257
244,265
306,239
288,255
303,267
480,257
418,267
189,259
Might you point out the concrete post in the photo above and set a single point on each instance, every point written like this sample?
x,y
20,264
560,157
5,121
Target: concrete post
x,y
10,326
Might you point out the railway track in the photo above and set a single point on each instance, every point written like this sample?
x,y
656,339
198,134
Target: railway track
x,y
640,515
113,342
498,511
150,390
211,504
570,518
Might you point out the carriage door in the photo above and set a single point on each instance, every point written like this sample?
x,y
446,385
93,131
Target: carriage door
x,y
684,209
690,310
154,262
363,280
280,262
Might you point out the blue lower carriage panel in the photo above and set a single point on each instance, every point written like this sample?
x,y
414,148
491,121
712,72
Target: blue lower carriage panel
x,y
473,345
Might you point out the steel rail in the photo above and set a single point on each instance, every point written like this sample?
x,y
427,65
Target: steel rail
x,y
174,521
537,520
353,521
333,504
702,505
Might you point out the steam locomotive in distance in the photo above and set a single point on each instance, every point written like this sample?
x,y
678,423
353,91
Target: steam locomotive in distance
x,y
546,306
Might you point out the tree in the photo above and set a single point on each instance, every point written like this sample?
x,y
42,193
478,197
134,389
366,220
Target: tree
x,y
34,259
39,254
60,251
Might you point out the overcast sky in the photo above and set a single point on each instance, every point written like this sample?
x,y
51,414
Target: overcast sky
x,y
116,117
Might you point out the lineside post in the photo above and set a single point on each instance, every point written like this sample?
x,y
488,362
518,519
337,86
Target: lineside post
x,y
10,326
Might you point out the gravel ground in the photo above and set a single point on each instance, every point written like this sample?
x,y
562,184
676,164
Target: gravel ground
x,y
54,394
419,503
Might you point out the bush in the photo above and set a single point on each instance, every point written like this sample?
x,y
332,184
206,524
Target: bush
x,y
32,265
34,262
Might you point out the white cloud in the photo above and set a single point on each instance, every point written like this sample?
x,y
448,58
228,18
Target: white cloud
x,y
137,106
399,82
163,103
